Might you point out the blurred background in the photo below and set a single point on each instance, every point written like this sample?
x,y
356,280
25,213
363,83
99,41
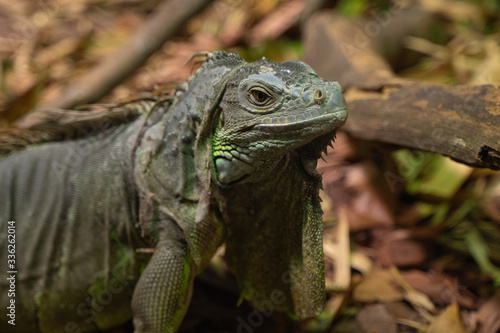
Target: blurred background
x,y
412,238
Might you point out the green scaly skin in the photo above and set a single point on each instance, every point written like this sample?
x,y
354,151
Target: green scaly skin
x,y
231,160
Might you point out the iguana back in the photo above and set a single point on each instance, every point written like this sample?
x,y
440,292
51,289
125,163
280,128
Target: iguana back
x,y
74,204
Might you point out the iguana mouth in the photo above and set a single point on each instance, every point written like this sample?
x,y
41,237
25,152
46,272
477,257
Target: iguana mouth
x,y
317,125
316,132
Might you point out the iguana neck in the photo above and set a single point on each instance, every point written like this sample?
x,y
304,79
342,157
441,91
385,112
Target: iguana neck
x,y
275,238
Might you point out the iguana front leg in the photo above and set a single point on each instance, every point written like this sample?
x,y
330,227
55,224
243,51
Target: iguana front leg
x,y
162,295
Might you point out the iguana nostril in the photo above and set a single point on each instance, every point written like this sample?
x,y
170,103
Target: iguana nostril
x,y
319,96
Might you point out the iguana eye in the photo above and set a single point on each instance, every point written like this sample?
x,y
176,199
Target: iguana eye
x,y
259,96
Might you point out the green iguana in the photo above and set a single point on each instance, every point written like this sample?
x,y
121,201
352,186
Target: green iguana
x,y
232,159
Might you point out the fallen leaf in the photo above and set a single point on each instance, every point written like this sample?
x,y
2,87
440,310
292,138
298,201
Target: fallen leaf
x,y
440,288
417,299
376,319
360,187
488,316
378,286
402,253
447,321
402,311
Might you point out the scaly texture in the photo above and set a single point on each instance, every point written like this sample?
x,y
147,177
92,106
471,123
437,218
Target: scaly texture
x,y
230,159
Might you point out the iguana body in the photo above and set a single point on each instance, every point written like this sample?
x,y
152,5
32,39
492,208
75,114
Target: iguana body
x,y
231,160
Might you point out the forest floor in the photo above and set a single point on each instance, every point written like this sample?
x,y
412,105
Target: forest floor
x,y
412,238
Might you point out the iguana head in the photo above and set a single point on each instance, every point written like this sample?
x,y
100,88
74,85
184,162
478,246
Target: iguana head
x,y
263,126
269,109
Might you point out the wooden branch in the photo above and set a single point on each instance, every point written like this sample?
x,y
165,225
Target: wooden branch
x,y
462,122
159,27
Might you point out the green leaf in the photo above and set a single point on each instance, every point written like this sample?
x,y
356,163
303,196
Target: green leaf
x,y
479,251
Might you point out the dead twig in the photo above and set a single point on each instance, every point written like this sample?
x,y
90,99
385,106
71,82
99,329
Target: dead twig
x,y
159,27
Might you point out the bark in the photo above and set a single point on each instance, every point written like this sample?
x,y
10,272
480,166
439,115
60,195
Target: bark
x,y
461,121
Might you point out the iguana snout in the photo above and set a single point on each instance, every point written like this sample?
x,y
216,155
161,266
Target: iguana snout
x,y
314,111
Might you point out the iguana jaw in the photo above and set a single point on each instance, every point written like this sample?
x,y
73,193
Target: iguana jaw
x,y
311,138
316,126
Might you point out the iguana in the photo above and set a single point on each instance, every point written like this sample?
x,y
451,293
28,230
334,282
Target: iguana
x,y
231,159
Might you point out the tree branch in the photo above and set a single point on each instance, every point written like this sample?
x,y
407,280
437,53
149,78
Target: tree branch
x,y
159,27
462,122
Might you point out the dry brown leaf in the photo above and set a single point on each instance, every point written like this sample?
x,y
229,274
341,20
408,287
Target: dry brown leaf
x,y
378,286
440,288
488,316
419,300
402,253
402,311
447,321
376,319
358,187
367,212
